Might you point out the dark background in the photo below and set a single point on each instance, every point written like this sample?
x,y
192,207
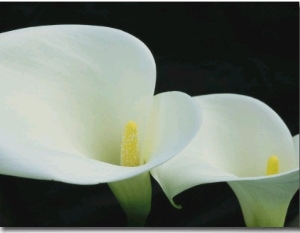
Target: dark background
x,y
199,48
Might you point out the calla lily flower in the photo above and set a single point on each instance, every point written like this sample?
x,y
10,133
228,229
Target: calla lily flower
x,y
245,143
77,100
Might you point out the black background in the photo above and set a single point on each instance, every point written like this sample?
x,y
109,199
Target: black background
x,y
199,48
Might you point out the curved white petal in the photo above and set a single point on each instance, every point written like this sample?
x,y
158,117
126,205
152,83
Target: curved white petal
x,y
21,160
240,133
45,164
174,121
237,136
72,88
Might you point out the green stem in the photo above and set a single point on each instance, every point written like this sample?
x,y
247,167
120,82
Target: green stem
x,y
134,195
136,221
264,203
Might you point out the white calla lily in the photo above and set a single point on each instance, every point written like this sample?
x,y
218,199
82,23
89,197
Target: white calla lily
x,y
66,93
236,139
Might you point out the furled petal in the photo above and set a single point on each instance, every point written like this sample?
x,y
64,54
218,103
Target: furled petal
x,y
264,202
71,88
42,163
237,136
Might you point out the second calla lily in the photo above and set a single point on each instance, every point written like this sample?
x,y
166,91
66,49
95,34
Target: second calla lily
x,y
245,143
69,93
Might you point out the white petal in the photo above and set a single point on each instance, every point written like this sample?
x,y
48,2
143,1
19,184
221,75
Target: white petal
x,y
72,88
237,136
36,162
174,122
42,163
240,133
265,202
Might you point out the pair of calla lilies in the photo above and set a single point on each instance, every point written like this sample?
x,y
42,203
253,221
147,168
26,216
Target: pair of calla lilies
x,y
77,106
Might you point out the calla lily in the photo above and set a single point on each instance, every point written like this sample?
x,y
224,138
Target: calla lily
x,y
236,139
66,94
